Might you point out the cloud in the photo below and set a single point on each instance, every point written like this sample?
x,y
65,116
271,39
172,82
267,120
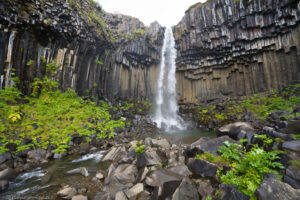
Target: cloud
x,y
166,12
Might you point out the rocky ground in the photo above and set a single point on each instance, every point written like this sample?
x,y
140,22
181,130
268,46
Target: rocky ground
x,y
160,170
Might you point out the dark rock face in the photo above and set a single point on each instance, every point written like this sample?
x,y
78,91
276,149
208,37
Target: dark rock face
x,y
202,168
127,52
276,190
230,192
233,48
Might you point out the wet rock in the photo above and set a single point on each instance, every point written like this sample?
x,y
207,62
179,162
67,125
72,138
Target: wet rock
x,y
276,190
148,158
67,192
186,191
202,168
115,154
80,170
135,191
126,173
230,192
8,174
181,170
79,197
204,189
208,145
237,130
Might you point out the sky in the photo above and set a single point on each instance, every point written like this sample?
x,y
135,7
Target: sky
x,y
166,12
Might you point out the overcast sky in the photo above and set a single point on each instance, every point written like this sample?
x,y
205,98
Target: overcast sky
x,y
166,12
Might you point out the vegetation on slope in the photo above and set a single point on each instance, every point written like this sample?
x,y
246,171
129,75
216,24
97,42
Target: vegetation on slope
x,y
259,106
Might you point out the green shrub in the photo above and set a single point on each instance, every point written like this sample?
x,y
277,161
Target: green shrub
x,y
248,167
139,148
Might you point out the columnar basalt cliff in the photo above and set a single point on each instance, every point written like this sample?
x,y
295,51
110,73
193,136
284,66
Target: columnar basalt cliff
x,y
97,53
231,48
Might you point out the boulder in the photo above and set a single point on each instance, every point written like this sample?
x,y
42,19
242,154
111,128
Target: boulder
x,y
67,192
80,170
292,182
209,145
79,197
126,173
164,182
133,192
3,185
186,191
148,158
273,189
129,157
36,156
202,168
115,154
292,145
230,192
292,176
121,196
161,143
204,189
8,174
270,132
291,127
4,157
237,130
182,170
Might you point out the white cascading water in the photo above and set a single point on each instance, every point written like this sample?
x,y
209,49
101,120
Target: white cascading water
x,y
166,113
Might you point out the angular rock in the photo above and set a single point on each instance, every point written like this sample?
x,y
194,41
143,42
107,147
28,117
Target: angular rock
x,y
160,176
276,190
129,157
3,185
186,191
121,196
161,143
133,192
292,145
237,130
99,176
37,155
292,182
291,127
4,157
8,174
230,192
204,189
79,197
80,170
142,174
115,154
293,172
148,158
208,145
67,192
126,173
274,134
182,170
202,168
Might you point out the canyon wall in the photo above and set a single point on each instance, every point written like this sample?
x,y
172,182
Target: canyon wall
x,y
96,53
232,48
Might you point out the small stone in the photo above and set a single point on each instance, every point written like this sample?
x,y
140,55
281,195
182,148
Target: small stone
x,y
99,176
67,192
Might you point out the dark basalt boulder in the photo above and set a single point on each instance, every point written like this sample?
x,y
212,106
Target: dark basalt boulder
x,y
273,189
207,145
230,192
237,130
186,191
202,168
292,145
148,158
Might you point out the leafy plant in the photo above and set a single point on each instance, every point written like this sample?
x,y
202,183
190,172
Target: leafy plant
x,y
139,148
14,117
98,62
218,160
248,167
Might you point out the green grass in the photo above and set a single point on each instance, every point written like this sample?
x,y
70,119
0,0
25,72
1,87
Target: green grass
x,y
218,160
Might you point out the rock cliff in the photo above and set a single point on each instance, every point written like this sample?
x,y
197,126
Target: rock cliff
x,y
96,53
231,48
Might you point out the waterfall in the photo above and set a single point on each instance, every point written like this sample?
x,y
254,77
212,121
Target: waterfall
x,y
8,60
166,113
